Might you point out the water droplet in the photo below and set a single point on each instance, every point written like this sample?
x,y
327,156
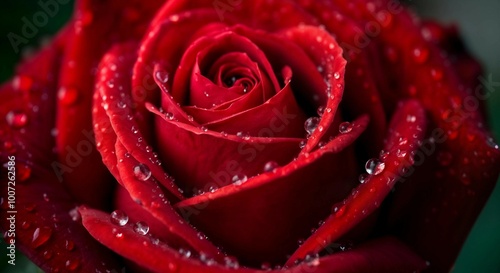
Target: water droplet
x,y
172,267
47,255
411,118
40,236
119,217
67,96
141,228
231,262
169,116
400,153
465,179
239,179
374,166
74,214
336,75
23,172
25,225
320,111
72,265
302,144
345,127
46,197
185,253
265,266
204,129
312,259
17,119
142,172
311,124
162,76
270,166
362,178
22,83
437,74
491,142
420,55
70,245
206,260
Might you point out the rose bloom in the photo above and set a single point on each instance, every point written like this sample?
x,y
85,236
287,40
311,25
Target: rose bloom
x,y
246,136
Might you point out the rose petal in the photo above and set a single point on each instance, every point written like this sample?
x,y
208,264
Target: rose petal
x,y
383,255
113,85
46,226
205,51
151,197
223,155
252,215
366,198
93,31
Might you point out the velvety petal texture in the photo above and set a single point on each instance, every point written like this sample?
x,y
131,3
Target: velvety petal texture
x,y
247,136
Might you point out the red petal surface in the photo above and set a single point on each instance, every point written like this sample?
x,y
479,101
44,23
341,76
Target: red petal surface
x,y
386,255
94,29
248,219
220,157
151,197
113,86
403,138
47,227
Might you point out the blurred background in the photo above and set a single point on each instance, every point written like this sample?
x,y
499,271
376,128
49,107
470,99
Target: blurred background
x,y
479,24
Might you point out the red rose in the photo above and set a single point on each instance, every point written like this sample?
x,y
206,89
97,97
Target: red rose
x,y
296,136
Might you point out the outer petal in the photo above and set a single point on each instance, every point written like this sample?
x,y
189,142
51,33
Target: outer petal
x,y
47,227
402,142
251,216
386,255
94,30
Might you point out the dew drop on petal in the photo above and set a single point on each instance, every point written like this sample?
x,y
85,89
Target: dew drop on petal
x,y
231,262
345,127
141,228
302,144
270,166
362,178
169,116
22,83
16,119
72,265
40,236
374,166
142,172
162,76
492,144
69,245
311,124
312,259
320,111
185,253
67,96
336,75
119,217
239,179
420,55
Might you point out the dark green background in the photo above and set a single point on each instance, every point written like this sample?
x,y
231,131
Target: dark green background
x,y
479,24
